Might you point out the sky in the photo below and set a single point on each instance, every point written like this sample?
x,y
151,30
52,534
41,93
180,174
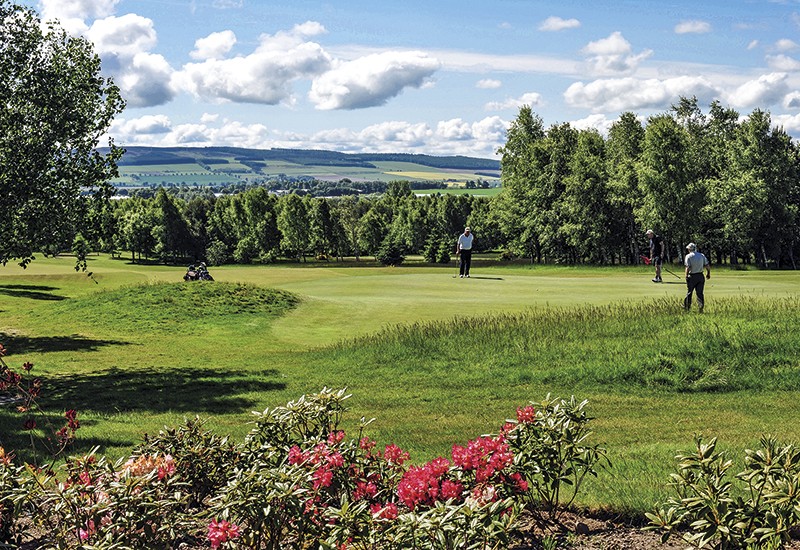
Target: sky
x,y
438,77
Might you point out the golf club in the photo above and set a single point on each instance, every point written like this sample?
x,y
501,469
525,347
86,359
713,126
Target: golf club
x,y
646,261
669,271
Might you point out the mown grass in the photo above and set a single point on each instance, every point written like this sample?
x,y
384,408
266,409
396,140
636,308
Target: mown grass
x,y
437,361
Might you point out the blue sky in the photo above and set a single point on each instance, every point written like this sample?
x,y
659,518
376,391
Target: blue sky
x,y
440,77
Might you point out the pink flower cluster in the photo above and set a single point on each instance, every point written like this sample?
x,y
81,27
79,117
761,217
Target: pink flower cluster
x,y
322,459
485,456
388,511
526,415
221,531
424,485
488,459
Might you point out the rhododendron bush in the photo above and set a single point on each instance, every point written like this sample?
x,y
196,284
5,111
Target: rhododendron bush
x,y
299,481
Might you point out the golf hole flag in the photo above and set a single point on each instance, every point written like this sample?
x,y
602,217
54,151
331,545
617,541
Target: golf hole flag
x,y
645,259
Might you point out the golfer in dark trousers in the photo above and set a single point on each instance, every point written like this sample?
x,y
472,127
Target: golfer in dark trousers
x,y
695,263
464,248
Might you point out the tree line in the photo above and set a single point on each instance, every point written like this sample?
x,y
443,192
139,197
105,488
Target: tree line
x,y
257,225
726,182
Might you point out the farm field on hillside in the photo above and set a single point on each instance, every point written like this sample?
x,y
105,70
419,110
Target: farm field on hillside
x,y
437,360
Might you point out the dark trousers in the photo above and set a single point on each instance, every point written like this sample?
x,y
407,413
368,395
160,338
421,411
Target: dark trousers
x,y
695,283
466,260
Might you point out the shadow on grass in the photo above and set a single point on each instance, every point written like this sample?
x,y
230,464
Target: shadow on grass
x,y
114,391
159,390
17,345
33,292
17,440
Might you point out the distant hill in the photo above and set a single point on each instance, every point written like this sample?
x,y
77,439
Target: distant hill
x,y
141,156
219,167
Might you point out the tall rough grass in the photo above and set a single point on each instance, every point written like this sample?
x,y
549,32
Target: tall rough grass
x,y
741,344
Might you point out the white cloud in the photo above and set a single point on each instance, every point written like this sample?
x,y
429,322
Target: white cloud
x,y
122,36
371,80
241,135
792,100
405,134
449,137
790,123
214,46
208,118
488,84
454,130
188,135
599,122
73,13
786,45
265,76
752,45
146,125
692,27
554,23
612,55
783,63
145,81
531,98
765,90
627,94
123,43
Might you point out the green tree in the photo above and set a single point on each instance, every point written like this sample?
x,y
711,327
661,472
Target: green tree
x,y
623,149
136,228
584,204
671,198
55,108
321,226
349,210
172,230
763,163
293,223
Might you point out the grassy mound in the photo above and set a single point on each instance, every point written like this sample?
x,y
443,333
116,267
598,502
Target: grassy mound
x,y
175,306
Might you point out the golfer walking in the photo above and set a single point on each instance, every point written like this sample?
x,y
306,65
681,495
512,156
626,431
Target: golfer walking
x,y
695,263
464,249
656,253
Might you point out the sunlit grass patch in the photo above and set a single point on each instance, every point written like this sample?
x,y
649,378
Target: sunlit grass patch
x,y
175,306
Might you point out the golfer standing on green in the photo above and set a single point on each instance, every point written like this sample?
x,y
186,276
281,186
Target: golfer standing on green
x,y
695,262
656,253
464,248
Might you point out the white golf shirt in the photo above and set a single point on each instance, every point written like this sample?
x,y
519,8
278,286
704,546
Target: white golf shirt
x,y
465,241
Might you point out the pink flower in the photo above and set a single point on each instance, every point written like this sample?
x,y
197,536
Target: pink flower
x,y
519,482
451,489
88,531
526,415
220,532
365,489
388,511
395,454
323,477
422,485
296,456
335,437
167,467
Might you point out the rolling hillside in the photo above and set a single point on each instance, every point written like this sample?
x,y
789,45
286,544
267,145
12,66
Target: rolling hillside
x,y
221,166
